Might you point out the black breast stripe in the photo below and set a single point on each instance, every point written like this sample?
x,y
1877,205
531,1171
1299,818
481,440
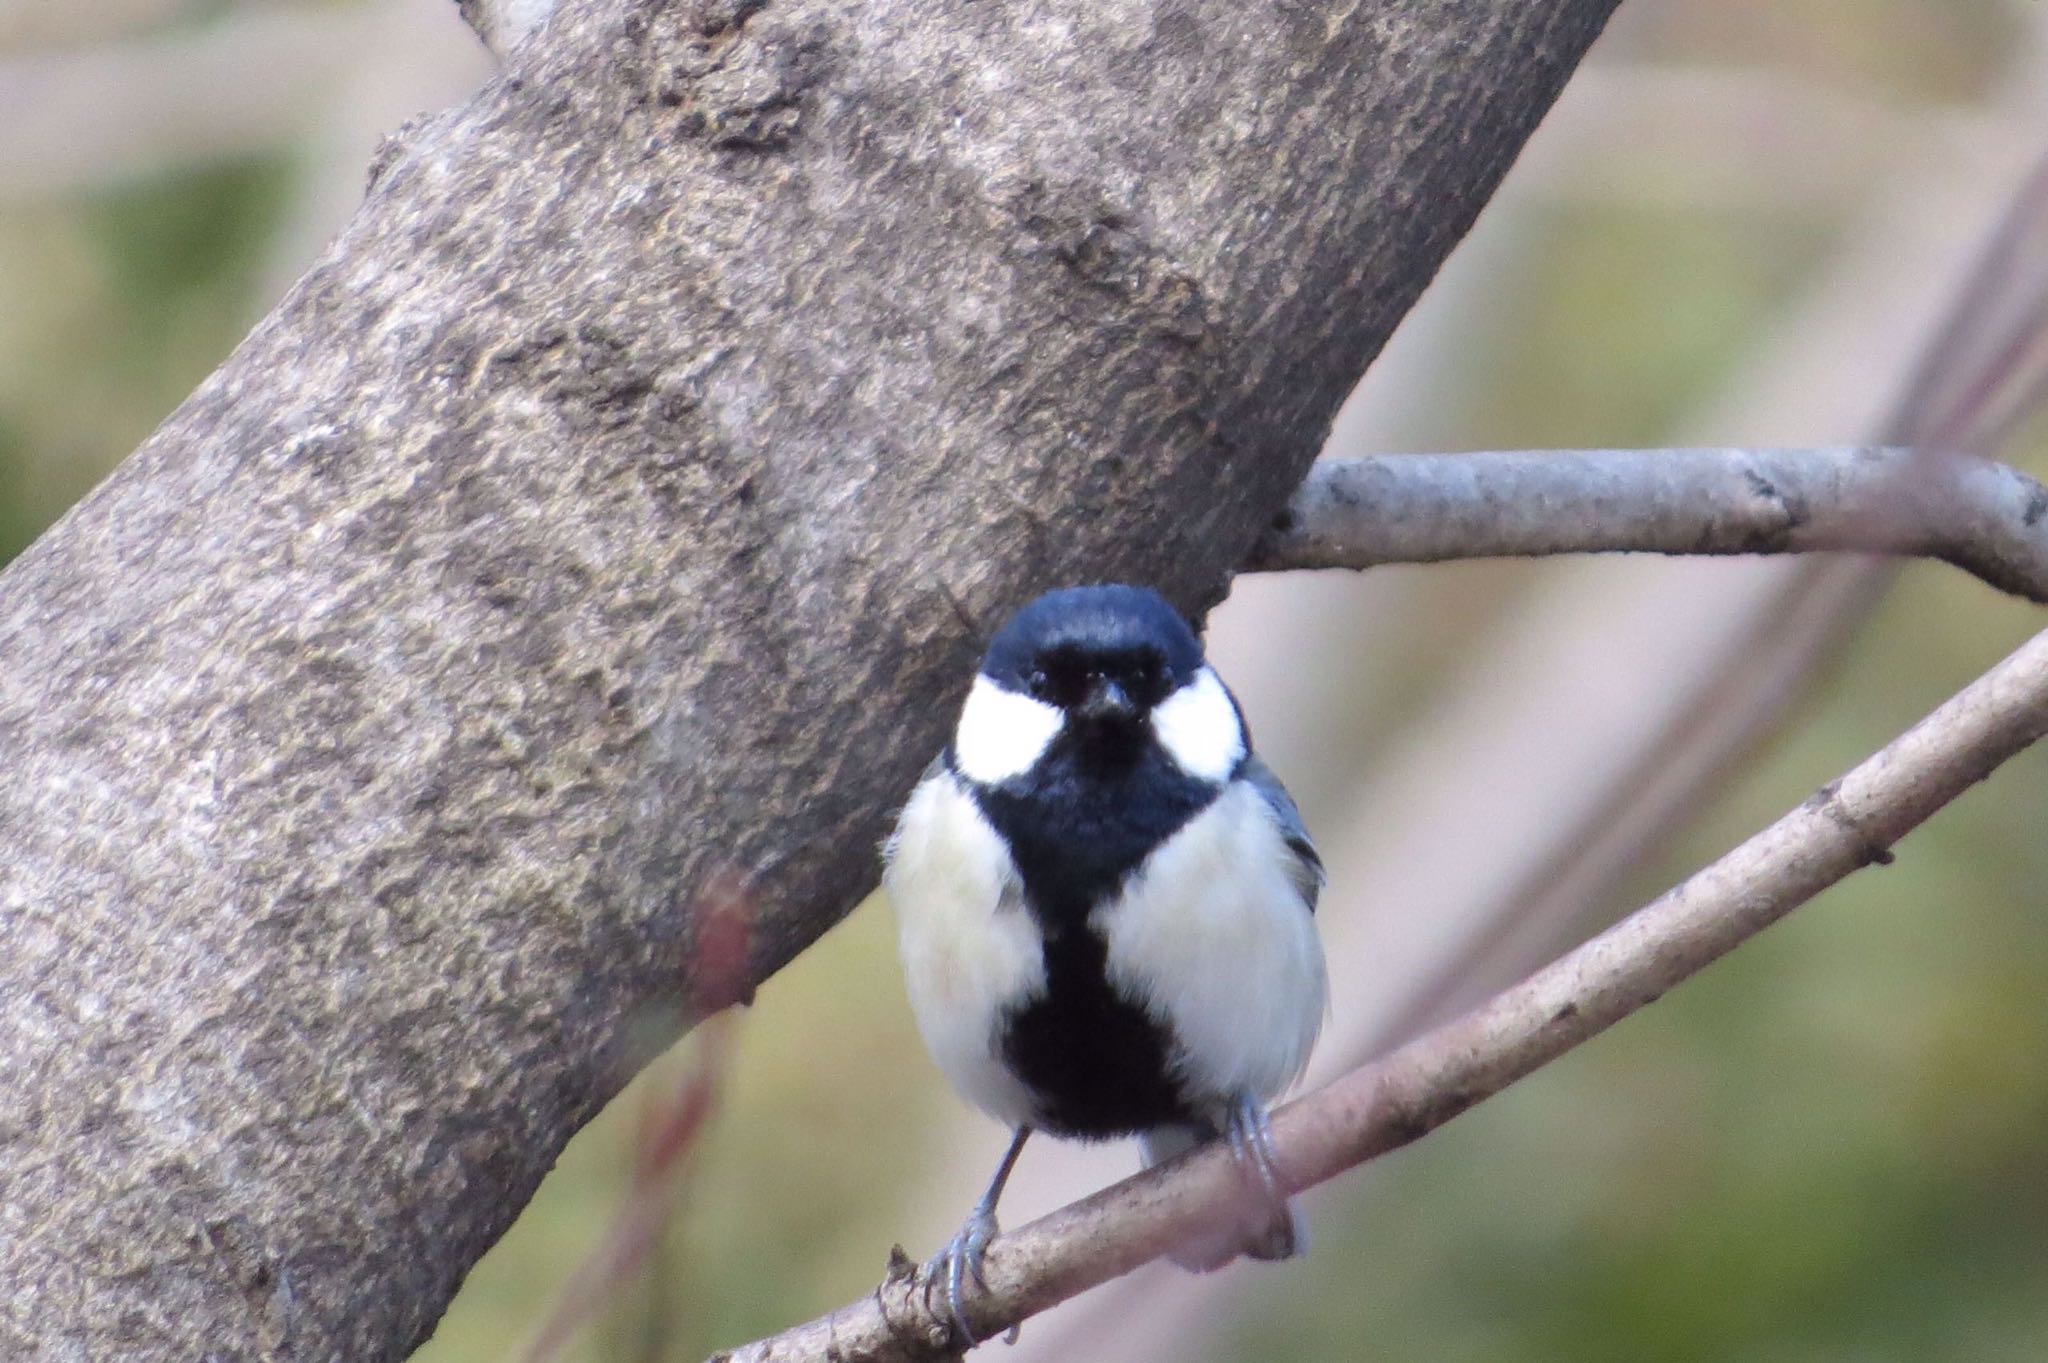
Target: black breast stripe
x,y
1095,1059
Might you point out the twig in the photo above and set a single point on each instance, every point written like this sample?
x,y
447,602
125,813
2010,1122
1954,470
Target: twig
x,y
672,1125
1976,379
673,1122
1845,826
1981,374
1984,517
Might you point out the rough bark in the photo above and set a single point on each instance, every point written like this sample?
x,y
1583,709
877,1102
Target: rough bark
x,y
609,515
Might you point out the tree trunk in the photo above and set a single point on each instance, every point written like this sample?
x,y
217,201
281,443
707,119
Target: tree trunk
x,y
598,536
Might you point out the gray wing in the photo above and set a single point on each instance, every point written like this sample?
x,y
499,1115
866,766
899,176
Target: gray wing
x,y
1307,869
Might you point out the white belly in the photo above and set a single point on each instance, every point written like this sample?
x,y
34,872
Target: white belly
x,y
1214,939
971,950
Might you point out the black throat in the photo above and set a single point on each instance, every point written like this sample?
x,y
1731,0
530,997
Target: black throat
x,y
1096,805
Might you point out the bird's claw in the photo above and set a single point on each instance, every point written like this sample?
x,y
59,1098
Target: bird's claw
x,y
960,1259
1249,1133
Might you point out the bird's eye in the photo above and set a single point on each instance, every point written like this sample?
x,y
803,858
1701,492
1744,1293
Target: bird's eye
x,y
1040,683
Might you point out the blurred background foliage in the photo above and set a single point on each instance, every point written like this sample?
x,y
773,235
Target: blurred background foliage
x,y
1737,226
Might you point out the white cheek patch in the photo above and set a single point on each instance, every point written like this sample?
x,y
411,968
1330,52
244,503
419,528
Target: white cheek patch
x,y
1002,733
1199,728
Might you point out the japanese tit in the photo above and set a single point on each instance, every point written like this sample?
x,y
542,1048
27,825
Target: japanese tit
x,y
1105,906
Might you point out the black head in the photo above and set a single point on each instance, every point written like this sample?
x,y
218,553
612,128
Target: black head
x,y
1095,682
1102,654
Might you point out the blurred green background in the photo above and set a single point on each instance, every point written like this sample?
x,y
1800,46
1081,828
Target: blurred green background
x,y
1831,1147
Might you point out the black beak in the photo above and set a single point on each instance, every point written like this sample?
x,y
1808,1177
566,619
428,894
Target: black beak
x,y
1105,703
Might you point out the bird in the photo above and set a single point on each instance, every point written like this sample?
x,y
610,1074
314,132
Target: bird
x,y
1105,910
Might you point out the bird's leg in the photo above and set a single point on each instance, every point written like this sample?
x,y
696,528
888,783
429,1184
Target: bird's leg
x,y
961,1257
1249,1133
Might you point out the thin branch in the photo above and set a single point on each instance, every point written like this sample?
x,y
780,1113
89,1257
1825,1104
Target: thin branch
x,y
1845,826
1984,517
673,1124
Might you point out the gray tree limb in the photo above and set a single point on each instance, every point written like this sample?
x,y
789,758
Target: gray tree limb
x,y
1843,827
608,515
1984,517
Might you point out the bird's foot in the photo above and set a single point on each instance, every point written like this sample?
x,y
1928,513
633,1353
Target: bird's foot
x,y
1249,1133
959,1260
